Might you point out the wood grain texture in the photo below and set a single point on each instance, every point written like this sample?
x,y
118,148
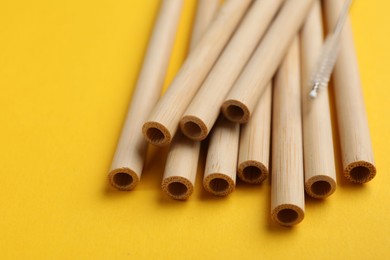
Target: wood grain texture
x,y
181,167
287,185
164,119
355,140
320,172
205,13
242,98
221,163
203,111
253,156
182,161
126,168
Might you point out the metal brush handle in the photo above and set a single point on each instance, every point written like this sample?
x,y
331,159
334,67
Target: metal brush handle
x,y
329,53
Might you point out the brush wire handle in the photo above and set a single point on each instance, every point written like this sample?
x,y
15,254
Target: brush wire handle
x,y
329,53
321,77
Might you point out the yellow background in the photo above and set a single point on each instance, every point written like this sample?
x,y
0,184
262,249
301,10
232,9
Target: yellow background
x,y
67,69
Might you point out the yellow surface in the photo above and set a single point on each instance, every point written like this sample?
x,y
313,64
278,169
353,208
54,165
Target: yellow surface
x,y
66,74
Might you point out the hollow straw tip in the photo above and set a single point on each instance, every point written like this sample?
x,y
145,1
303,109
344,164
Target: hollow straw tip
x,y
123,179
287,214
194,128
177,187
320,186
252,172
236,111
360,172
156,133
219,184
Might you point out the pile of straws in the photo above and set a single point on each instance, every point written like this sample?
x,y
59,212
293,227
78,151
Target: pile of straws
x,y
252,63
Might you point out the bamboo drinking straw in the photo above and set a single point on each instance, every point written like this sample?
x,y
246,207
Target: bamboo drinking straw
x,y
320,174
243,97
181,167
355,141
221,163
164,120
205,13
287,191
182,161
204,109
253,156
129,157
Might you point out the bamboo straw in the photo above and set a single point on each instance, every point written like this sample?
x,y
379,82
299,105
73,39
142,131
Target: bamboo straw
x,y
181,167
221,163
243,97
182,161
204,109
126,168
164,120
287,191
320,174
355,140
253,156
205,13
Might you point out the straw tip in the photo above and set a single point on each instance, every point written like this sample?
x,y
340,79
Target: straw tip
x,y
236,111
177,187
156,133
123,178
252,171
320,186
219,184
194,128
360,171
288,214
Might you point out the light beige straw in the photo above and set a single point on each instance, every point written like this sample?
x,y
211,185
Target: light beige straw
x,y
320,173
253,156
287,191
204,109
221,163
181,167
355,141
130,154
242,98
182,162
205,13
164,120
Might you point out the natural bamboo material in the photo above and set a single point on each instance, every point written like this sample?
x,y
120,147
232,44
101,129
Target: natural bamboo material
x,y
164,120
221,163
182,161
253,156
181,167
287,191
320,172
126,168
205,13
204,109
355,140
242,98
